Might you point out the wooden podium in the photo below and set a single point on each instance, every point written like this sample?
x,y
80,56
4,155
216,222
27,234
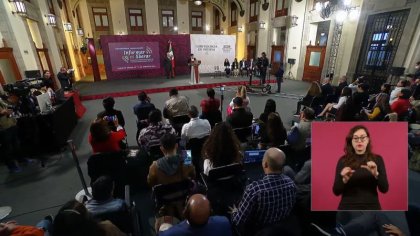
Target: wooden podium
x,y
195,74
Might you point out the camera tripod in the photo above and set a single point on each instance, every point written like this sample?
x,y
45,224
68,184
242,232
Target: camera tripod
x,y
290,74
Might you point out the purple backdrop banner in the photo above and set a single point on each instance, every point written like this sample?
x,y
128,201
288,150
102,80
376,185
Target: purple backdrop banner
x,y
134,56
114,61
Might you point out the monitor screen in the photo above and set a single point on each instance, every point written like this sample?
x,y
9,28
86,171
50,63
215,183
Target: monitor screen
x,y
30,74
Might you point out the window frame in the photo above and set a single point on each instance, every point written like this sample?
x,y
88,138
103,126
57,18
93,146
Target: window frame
x,y
233,14
283,11
163,15
216,19
197,18
100,27
254,10
136,27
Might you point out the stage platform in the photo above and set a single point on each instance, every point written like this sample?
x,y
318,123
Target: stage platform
x,y
131,87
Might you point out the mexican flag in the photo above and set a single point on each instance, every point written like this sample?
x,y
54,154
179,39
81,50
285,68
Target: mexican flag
x,y
171,52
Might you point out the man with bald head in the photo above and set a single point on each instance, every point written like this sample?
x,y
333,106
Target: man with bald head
x,y
198,220
267,201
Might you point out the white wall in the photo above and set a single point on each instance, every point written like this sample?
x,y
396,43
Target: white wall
x,y
183,17
152,16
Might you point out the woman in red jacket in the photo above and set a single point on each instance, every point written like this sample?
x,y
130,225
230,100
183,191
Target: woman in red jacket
x,y
102,139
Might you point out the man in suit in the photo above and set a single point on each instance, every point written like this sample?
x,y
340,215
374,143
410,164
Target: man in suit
x,y
167,64
263,67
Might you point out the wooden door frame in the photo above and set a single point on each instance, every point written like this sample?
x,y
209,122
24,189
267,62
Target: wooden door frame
x,y
310,73
248,47
274,66
7,53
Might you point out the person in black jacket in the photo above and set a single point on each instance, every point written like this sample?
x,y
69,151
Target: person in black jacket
x,y
240,117
263,65
109,111
279,77
360,173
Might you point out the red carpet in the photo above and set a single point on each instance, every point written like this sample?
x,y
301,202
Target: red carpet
x,y
166,89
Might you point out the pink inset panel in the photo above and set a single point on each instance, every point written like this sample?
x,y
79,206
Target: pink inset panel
x,y
388,139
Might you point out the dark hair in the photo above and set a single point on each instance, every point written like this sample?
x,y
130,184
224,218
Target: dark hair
x,y
387,88
210,92
108,103
193,111
404,82
73,220
364,87
173,92
168,141
346,92
155,116
275,129
142,96
222,147
309,113
382,102
238,101
350,156
270,106
102,188
99,130
405,93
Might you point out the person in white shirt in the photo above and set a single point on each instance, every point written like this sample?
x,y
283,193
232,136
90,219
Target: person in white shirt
x,y
394,93
196,128
333,107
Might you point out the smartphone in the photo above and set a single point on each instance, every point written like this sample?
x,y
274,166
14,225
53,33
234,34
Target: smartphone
x,y
186,154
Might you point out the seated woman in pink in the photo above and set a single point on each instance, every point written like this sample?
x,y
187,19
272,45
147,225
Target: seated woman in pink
x,y
102,139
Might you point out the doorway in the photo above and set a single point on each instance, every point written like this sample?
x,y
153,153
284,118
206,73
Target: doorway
x,y
277,58
314,62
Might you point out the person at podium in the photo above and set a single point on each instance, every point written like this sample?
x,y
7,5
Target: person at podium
x,y
193,63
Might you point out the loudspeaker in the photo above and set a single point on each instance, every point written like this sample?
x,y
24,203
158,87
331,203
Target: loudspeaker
x,y
291,61
397,71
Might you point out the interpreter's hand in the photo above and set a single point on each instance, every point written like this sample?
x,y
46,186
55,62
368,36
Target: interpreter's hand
x,y
392,230
346,173
372,168
232,209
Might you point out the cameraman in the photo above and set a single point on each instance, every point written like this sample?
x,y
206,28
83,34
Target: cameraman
x,y
65,79
262,65
9,139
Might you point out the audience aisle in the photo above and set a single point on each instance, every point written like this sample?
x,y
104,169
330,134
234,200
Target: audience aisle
x,y
40,191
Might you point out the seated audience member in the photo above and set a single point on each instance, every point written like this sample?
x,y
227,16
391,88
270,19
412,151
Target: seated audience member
x,y
210,108
196,128
102,201
150,136
368,223
198,220
240,117
333,107
267,201
103,139
342,82
360,98
240,92
415,91
380,109
402,104
385,88
11,228
73,219
326,87
47,80
143,108
272,133
235,67
170,169
221,148
400,85
176,105
111,113
304,128
270,106
313,92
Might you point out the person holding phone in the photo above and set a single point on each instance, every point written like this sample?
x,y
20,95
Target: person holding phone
x,y
360,173
102,138
109,111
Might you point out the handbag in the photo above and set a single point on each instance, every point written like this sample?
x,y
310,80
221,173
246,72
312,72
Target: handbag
x,y
293,136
